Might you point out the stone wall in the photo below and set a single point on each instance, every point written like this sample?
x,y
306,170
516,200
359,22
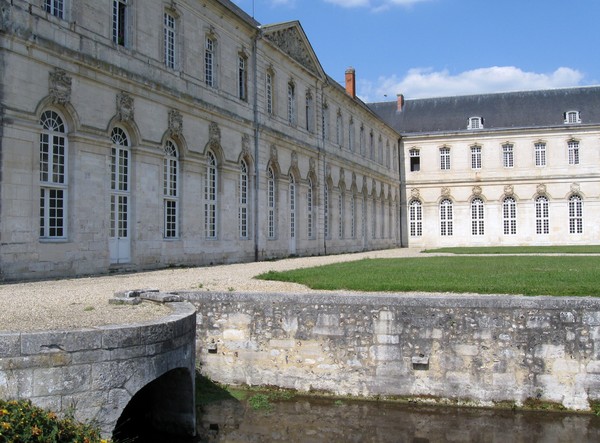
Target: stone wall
x,y
475,349
94,373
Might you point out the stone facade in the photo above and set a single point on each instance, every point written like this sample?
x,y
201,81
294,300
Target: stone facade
x,y
475,350
96,373
139,136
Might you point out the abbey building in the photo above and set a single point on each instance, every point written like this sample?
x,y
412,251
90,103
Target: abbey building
x,y
138,135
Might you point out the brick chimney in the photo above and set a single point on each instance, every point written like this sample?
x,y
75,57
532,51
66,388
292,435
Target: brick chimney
x,y
400,99
351,82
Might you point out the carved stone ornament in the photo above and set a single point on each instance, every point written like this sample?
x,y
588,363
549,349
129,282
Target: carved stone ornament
x,y
445,191
328,170
294,160
575,188
175,123
477,191
273,153
354,180
214,133
312,163
509,190
541,189
125,107
60,86
415,193
245,145
290,42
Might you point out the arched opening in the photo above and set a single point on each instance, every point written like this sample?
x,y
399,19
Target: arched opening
x,y
164,407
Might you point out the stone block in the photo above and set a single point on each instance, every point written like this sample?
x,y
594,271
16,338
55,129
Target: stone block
x,y
42,342
10,344
61,381
119,337
387,339
591,318
549,351
466,350
385,353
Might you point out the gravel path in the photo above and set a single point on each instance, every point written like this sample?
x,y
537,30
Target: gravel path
x,y
83,302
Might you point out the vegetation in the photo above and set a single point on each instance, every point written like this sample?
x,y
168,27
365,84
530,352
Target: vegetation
x,y
21,422
579,249
569,275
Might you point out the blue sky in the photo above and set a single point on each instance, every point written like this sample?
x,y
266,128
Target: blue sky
x,y
432,48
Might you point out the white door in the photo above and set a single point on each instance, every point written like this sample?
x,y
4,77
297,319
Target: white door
x,y
119,240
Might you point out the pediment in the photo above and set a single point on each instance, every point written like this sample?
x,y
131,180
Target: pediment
x,y
291,39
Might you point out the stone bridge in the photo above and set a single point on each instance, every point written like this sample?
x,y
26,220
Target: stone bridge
x,y
111,375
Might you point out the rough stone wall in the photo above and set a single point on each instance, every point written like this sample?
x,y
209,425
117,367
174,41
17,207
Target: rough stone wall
x,y
475,349
94,373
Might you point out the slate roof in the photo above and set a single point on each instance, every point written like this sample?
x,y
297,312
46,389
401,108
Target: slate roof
x,y
527,109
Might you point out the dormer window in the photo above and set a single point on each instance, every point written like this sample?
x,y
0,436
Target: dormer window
x,y
572,117
475,123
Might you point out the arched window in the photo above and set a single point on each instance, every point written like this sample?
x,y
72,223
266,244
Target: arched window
x,y
53,177
341,210
309,210
353,216
477,217
292,191
326,210
415,211
446,217
119,195
575,215
170,195
542,219
244,199
509,216
211,197
271,192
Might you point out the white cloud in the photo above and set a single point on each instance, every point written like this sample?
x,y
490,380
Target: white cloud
x,y
375,5
419,82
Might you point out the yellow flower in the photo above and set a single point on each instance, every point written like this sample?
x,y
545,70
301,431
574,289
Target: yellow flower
x,y
5,426
35,431
3,412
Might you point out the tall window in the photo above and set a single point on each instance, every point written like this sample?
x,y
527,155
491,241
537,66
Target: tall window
x,y
242,77
53,177
55,7
415,160
353,216
477,217
243,211
325,118
269,92
119,28
374,218
119,184
444,159
309,112
339,137
361,141
292,190
209,62
575,215
211,197
271,191
351,135
291,108
540,154
170,196
415,214
573,152
380,150
170,40
341,210
309,210
446,217
542,223
507,156
475,157
326,211
509,216
371,146
382,218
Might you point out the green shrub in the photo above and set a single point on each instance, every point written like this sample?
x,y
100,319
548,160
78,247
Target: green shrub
x,y
21,422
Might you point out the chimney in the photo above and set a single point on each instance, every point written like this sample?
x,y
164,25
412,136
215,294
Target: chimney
x,y
351,82
400,99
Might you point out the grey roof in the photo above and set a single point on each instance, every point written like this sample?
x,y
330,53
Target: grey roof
x,y
527,109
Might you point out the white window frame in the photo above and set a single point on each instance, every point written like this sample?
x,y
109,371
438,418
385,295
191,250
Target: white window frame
x,y
120,22
446,218
573,152
310,210
415,165
445,158
508,155
509,216
572,118
242,77
271,204
269,92
341,210
210,61
542,215
170,39
292,202
475,123
575,214
170,191
244,205
477,217
415,211
326,211
476,154
211,197
291,108
55,8
540,154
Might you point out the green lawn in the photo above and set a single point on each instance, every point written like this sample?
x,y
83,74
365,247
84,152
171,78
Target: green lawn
x,y
528,275
585,249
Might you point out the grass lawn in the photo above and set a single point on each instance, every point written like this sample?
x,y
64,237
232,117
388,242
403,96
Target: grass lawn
x,y
528,275
583,249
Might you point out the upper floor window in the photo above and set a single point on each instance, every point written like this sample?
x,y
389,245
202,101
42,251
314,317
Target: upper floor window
x,y
371,145
475,157
242,77
508,159
310,112
339,136
575,215
415,210
444,159
55,7
170,40
325,118
269,92
415,160
119,28
53,176
210,62
361,140
351,135
573,146
380,150
446,217
291,108
572,117
475,123
477,217
540,154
